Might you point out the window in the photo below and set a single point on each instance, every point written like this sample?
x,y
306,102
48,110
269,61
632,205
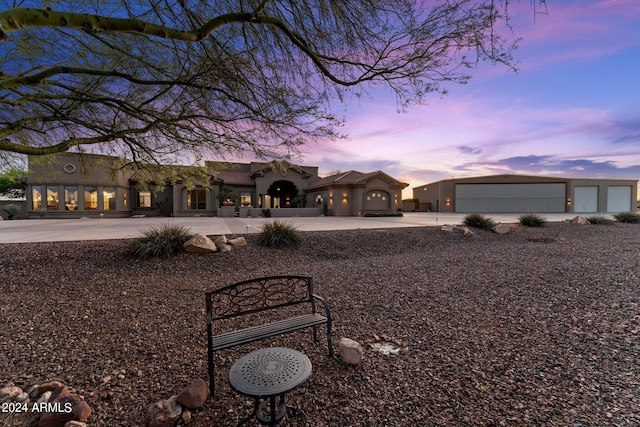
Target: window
x,y
90,198
52,197
245,199
144,199
36,197
109,199
70,197
197,199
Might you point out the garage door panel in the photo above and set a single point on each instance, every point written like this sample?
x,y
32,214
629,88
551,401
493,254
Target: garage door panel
x,y
585,199
538,197
619,198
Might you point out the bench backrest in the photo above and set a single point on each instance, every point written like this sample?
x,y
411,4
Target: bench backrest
x,y
256,295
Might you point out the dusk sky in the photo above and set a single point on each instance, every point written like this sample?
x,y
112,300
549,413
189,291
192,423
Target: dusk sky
x,y
572,110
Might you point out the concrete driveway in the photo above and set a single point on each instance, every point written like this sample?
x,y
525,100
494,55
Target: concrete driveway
x,y
52,230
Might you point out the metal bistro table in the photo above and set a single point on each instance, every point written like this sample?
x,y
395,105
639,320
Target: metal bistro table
x,y
268,373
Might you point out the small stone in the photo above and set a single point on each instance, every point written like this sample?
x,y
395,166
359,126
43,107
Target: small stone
x,y
74,423
50,386
194,395
447,229
501,229
351,351
163,413
200,244
10,392
238,241
224,247
186,417
22,397
44,398
106,379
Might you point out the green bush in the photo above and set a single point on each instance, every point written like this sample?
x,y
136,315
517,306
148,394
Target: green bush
x,y
532,220
278,234
599,220
12,210
628,217
477,220
163,241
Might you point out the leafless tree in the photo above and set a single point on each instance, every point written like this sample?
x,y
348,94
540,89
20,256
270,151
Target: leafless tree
x,y
163,79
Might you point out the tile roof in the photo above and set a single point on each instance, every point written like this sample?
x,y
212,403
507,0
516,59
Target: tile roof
x,y
350,178
235,177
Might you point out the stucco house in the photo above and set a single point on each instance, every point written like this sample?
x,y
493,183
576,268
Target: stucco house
x,y
71,185
523,194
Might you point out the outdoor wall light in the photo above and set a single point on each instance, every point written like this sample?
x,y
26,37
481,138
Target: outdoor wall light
x,y
569,201
448,201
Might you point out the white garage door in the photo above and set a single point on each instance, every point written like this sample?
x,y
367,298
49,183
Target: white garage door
x,y
585,199
619,198
510,197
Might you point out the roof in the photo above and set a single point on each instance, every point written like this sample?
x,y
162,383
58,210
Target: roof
x,y
515,178
353,178
235,177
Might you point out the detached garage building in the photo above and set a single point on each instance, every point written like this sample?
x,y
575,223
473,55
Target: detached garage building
x,y
522,194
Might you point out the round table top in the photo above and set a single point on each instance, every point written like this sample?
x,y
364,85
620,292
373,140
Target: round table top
x,y
269,371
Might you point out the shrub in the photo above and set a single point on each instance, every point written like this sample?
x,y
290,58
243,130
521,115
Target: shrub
x,y
278,234
163,241
12,210
599,219
532,220
477,220
628,217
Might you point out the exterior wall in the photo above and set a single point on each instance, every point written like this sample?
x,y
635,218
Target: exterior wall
x,y
81,174
442,194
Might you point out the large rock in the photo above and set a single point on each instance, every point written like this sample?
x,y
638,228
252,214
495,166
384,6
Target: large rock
x,y
164,413
9,393
351,351
579,220
200,244
50,386
238,241
65,407
447,228
501,228
194,395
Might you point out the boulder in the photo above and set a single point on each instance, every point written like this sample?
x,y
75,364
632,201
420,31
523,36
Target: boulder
x,y
447,228
70,408
238,241
50,386
164,413
200,244
194,395
224,247
467,232
9,393
351,351
579,220
501,228
220,239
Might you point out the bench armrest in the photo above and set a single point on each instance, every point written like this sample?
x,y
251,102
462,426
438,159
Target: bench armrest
x,y
325,305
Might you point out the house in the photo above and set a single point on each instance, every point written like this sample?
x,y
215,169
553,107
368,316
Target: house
x,y
524,194
72,185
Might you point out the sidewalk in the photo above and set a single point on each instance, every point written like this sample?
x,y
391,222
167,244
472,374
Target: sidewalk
x,y
53,230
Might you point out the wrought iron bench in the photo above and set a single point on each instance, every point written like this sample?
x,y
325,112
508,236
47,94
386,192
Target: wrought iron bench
x,y
273,305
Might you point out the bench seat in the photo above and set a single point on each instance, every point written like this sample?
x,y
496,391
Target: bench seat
x,y
254,333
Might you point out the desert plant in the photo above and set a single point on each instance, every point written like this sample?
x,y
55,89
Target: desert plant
x,y
164,241
599,219
628,217
477,220
12,210
278,234
532,220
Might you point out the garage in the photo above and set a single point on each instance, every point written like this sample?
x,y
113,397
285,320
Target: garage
x,y
521,197
618,199
585,199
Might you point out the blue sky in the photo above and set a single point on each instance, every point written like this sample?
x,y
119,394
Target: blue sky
x,y
572,110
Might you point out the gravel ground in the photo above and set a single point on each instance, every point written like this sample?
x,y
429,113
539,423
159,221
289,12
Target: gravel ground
x,y
536,327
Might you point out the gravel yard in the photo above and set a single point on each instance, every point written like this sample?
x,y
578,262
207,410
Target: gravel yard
x,y
535,327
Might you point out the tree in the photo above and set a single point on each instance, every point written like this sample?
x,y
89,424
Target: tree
x,y
11,183
158,80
